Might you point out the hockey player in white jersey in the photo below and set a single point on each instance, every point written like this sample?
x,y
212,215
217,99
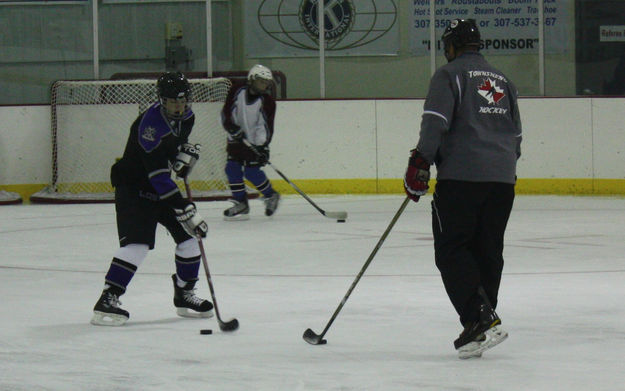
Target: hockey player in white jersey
x,y
249,113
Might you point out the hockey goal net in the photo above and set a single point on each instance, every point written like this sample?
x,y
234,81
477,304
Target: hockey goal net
x,y
90,126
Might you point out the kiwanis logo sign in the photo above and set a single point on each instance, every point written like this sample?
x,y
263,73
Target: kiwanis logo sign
x,y
338,19
291,27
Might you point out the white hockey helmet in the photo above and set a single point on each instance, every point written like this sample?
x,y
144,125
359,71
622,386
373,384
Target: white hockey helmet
x,y
260,80
259,72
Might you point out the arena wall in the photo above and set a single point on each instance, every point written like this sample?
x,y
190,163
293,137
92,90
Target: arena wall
x,y
570,145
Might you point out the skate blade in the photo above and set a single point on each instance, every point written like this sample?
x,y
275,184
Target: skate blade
x,y
237,217
187,313
104,319
270,213
494,336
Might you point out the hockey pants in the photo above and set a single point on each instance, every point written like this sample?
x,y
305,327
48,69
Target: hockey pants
x,y
468,222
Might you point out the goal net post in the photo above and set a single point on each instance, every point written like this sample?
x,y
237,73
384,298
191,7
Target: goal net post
x,y
90,122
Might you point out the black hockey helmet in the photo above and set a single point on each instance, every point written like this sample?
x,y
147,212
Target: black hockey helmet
x,y
461,33
174,85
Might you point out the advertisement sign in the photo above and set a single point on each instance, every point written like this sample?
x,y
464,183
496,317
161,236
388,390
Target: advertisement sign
x,y
506,26
278,28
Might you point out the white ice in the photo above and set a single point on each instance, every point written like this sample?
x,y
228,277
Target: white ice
x,y
562,300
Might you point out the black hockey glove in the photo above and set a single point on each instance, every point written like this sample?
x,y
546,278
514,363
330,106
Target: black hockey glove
x,y
417,176
191,221
235,132
186,159
263,154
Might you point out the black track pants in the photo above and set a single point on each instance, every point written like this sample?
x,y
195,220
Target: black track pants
x,y
468,222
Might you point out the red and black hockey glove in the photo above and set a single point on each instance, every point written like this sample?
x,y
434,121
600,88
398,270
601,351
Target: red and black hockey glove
x,y
417,176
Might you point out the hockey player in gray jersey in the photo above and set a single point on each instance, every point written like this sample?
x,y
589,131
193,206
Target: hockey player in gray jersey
x,y
471,131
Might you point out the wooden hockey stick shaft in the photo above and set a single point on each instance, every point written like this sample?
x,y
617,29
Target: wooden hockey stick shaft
x,y
332,215
317,339
230,325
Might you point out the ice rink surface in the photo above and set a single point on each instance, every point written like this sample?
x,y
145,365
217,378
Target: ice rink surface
x,y
562,301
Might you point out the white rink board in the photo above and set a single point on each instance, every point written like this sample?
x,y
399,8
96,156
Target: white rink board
x,y
557,138
398,123
342,139
325,139
25,145
609,140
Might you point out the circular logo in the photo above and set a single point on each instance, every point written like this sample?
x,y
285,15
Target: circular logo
x,y
347,23
338,18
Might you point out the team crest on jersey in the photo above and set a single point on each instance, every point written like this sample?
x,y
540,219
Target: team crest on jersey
x,y
490,91
149,133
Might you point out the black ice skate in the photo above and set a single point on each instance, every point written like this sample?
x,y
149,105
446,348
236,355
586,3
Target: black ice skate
x,y
271,203
239,211
107,312
480,335
187,303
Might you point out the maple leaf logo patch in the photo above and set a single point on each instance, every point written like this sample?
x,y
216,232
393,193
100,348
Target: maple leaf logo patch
x,y
490,91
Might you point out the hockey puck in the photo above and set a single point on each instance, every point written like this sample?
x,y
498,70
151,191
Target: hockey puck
x,y
340,221
206,331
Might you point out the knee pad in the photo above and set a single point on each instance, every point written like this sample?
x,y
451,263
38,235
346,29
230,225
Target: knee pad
x,y
133,253
188,249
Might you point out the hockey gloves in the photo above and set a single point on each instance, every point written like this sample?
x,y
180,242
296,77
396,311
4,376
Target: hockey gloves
x,y
186,159
191,221
235,132
263,155
417,176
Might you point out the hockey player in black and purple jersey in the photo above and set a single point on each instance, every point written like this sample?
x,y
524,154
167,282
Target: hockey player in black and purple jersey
x,y
471,130
248,113
146,195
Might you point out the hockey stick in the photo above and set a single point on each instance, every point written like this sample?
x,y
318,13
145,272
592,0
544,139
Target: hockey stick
x,y
317,339
230,325
332,215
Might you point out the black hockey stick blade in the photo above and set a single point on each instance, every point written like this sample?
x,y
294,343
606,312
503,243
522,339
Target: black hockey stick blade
x,y
309,335
228,326
232,324
312,338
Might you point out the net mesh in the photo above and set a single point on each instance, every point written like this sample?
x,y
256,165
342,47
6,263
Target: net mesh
x,y
90,125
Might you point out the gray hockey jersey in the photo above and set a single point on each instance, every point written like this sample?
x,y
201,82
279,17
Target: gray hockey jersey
x,y
471,127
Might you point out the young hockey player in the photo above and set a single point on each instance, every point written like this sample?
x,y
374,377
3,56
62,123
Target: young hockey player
x,y
471,130
249,114
145,195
